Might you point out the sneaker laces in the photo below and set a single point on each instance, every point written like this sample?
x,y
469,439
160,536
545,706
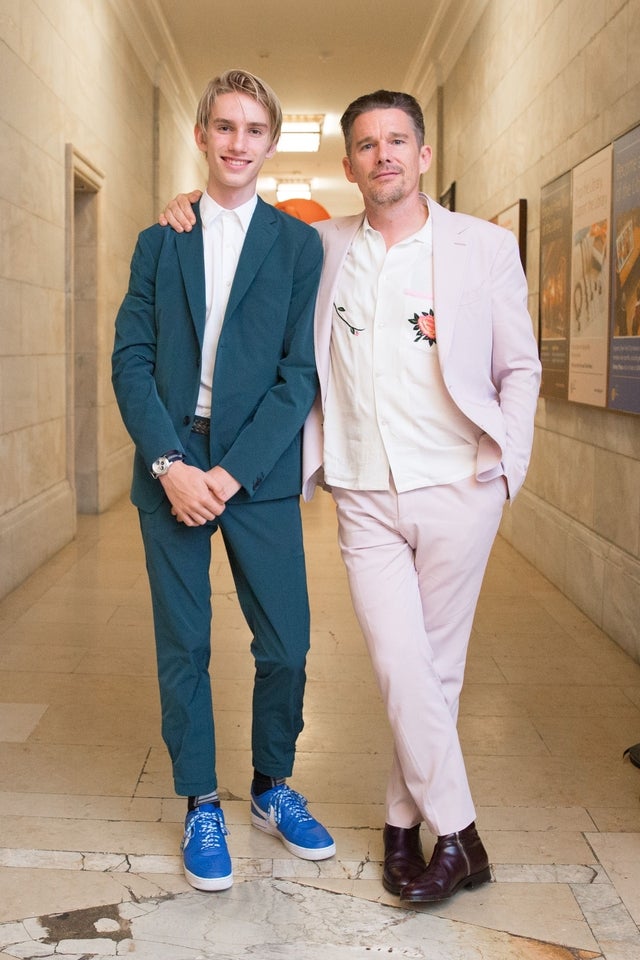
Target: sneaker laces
x,y
290,802
211,829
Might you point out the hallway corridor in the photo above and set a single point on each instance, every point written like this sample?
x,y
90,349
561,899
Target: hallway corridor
x,y
90,828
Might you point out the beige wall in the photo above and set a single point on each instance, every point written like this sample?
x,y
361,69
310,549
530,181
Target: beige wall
x,y
68,75
540,87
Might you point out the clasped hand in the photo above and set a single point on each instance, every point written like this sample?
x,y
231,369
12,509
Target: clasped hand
x,y
197,496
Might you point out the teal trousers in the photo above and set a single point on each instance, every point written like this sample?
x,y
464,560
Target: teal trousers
x,y
264,544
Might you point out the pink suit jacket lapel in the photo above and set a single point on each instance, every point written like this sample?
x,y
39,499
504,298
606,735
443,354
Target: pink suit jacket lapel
x,y
450,273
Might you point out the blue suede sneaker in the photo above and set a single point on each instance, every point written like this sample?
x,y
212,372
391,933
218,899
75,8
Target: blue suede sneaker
x,y
207,864
283,813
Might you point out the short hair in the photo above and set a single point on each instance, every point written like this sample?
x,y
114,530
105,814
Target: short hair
x,y
383,100
240,81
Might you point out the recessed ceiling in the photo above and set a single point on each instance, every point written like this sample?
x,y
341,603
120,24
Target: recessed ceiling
x,y
318,56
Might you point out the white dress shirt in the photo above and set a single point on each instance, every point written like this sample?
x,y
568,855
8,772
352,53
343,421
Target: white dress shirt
x,y
387,408
223,233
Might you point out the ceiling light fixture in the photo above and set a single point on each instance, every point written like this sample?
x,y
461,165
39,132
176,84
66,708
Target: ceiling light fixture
x,y
293,190
300,134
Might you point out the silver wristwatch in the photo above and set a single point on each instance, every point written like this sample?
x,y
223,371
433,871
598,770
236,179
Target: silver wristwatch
x,y
161,466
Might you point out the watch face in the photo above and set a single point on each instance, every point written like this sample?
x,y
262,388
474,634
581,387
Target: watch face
x,y
161,466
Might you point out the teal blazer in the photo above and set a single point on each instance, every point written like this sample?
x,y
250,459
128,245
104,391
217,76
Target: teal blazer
x,y
265,377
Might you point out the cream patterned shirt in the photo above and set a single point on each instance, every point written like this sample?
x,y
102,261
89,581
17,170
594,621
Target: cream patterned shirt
x,y
387,410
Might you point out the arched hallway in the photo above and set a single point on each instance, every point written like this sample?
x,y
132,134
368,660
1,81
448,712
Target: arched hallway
x,y
90,827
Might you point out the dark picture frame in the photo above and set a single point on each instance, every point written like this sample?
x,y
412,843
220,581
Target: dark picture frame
x,y
448,198
514,218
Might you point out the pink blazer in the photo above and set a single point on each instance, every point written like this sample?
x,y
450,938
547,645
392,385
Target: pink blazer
x,y
486,347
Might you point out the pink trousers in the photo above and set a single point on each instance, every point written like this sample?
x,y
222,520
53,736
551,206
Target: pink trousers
x,y
415,564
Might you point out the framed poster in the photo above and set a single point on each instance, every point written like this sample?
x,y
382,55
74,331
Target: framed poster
x,y
514,218
555,286
624,354
590,279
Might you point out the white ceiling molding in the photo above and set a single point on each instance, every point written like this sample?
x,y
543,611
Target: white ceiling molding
x,y
446,36
146,29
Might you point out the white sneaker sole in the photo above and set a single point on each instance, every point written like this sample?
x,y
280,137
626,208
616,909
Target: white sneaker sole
x,y
208,883
305,853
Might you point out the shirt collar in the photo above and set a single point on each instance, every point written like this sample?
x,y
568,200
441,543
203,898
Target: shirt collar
x,y
210,209
423,235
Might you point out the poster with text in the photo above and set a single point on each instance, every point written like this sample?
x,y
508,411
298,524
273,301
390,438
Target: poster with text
x,y
624,356
590,280
555,286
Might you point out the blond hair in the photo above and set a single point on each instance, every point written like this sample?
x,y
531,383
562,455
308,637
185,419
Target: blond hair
x,y
240,81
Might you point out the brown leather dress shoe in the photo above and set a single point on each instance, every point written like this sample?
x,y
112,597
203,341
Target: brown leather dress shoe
x,y
458,860
403,858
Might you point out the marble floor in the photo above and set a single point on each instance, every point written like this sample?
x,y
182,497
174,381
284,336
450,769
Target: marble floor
x,y
90,828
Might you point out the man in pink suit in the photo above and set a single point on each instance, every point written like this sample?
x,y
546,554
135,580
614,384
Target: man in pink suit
x,y
423,427
429,378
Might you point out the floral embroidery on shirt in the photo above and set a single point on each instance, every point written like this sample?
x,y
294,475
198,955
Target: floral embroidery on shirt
x,y
340,312
424,326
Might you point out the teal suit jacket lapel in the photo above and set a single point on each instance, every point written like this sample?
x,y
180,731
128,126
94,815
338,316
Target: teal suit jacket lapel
x,y
260,237
189,247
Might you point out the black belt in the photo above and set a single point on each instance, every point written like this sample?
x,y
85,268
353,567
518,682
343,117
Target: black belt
x,y
201,425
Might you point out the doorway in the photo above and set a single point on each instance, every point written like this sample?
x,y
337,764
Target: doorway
x,y
84,182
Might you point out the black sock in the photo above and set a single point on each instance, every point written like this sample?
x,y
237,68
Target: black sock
x,y
261,783
212,797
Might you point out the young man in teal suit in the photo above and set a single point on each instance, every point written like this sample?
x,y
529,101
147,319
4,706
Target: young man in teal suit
x,y
214,373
